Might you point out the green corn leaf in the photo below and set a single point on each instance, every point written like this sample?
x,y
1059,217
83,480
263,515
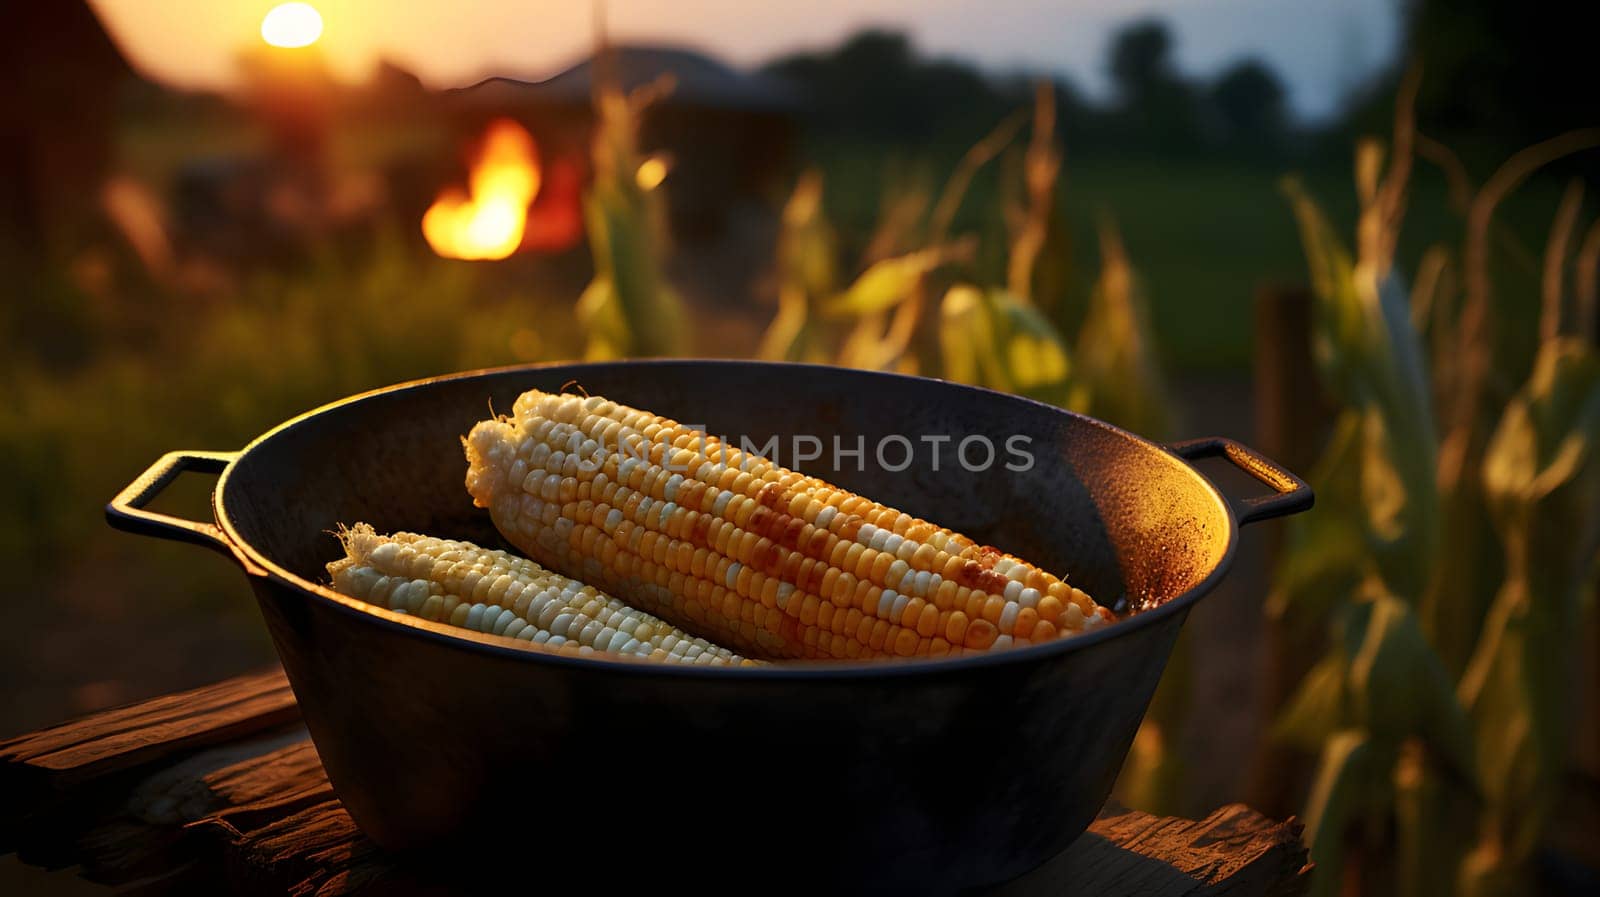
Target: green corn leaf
x,y
1542,468
1518,718
1402,438
1349,779
1116,360
807,244
1371,358
1489,872
1313,582
624,248
967,339
1398,686
1460,592
1402,373
807,275
790,335
885,284
1326,556
1542,483
1337,329
1035,354
1401,515
602,320
1383,486
1318,708
626,233
1364,341
991,338
1433,820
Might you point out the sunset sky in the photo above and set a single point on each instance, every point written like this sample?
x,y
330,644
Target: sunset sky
x,y
1321,47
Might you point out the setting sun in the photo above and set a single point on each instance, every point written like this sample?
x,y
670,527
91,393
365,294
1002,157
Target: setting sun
x,y
291,25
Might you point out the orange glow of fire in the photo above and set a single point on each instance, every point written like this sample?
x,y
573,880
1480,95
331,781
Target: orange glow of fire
x,y
488,221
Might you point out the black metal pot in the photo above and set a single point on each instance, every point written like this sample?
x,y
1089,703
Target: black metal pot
x,y
919,776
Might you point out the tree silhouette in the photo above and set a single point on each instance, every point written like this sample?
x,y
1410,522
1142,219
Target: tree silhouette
x,y
1140,61
1157,108
1250,104
875,85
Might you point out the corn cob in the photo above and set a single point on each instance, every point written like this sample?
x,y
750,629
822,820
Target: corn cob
x,y
764,559
499,593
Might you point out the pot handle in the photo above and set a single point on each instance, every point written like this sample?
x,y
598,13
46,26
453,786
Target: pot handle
x,y
1290,495
127,510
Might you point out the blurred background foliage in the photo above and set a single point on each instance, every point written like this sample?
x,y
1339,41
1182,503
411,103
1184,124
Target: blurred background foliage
x,y
187,269
1453,554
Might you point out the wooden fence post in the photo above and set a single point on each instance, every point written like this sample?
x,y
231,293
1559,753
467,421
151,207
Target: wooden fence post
x,y
1292,417
1292,413
1587,748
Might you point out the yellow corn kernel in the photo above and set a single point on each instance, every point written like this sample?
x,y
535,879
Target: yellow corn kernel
x,y
776,543
501,594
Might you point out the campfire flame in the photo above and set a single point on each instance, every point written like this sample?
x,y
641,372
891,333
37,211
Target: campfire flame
x,y
488,221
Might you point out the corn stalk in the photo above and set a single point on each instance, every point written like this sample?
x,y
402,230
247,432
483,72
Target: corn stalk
x,y
819,318
629,309
996,336
1541,477
1394,562
992,338
1119,378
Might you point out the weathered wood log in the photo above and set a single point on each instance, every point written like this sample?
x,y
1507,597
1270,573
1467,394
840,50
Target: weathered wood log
x,y
57,758
1235,851
224,789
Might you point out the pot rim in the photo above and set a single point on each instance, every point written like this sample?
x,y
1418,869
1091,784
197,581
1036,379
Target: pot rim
x,y
788,670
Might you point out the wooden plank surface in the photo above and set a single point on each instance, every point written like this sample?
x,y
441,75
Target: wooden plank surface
x,y
1235,851
220,786
149,731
